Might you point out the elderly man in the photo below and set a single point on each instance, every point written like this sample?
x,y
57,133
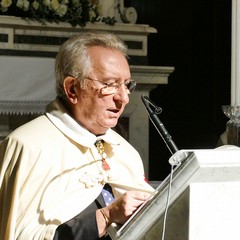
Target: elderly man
x,y
54,168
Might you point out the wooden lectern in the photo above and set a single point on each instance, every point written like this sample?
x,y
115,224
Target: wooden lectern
x,y
204,201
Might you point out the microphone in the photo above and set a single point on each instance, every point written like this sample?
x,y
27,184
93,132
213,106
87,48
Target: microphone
x,y
157,109
158,124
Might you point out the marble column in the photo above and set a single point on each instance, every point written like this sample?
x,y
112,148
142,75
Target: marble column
x,y
235,58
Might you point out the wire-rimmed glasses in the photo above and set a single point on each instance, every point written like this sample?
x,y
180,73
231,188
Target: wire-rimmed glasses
x,y
112,87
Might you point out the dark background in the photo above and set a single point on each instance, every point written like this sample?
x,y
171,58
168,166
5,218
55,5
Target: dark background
x,y
194,36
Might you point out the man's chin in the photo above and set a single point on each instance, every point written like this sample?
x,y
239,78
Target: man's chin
x,y
111,124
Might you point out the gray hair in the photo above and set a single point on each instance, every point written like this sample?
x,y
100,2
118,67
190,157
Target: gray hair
x,y
73,58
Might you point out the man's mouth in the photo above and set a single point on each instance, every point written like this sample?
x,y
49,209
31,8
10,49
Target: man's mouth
x,y
114,110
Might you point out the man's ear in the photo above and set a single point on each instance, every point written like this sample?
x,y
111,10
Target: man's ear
x,y
70,84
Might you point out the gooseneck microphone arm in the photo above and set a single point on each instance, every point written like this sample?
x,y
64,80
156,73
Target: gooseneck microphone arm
x,y
158,124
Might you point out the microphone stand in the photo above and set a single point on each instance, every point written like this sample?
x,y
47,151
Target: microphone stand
x,y
158,124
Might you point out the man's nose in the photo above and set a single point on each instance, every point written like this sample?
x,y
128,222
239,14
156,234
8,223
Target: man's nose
x,y
122,94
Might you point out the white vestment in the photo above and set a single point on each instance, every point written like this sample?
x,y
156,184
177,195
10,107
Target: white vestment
x,y
50,170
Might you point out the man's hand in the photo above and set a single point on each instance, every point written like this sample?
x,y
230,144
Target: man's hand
x,y
120,210
123,207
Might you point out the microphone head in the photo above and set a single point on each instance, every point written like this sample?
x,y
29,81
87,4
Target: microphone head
x,y
158,110
147,101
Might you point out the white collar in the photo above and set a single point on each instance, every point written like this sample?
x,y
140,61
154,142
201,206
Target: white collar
x,y
59,116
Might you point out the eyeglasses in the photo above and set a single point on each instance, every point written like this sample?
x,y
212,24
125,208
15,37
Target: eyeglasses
x,y
112,87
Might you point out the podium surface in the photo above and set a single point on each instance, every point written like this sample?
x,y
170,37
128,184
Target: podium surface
x,y
204,201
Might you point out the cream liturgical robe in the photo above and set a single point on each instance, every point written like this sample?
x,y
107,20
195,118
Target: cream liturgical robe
x,y
50,171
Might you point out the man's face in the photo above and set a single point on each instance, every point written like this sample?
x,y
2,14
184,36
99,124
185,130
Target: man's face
x,y
97,111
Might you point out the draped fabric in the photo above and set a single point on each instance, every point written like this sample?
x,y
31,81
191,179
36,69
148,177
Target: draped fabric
x,y
27,84
51,164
